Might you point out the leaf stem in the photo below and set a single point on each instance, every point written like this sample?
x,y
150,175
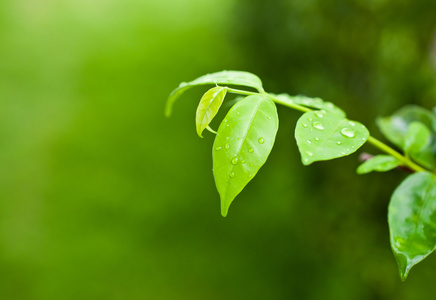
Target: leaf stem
x,y
404,160
375,142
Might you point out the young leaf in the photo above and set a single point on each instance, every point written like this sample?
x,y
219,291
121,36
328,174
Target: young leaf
x,y
208,107
379,163
412,220
223,77
244,140
394,128
324,135
317,103
417,137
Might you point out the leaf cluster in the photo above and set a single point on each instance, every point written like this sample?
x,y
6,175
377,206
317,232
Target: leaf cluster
x,y
246,136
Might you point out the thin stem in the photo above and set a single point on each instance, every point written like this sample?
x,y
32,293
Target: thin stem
x,y
404,160
375,142
275,99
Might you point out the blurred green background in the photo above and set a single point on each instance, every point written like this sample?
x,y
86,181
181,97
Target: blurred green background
x,y
102,197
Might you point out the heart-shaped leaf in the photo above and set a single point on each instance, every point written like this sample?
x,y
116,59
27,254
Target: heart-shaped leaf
x,y
379,163
244,140
208,107
412,220
317,103
325,135
223,77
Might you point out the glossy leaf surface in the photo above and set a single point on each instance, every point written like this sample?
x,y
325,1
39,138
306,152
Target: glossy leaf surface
x,y
325,135
316,103
208,107
417,137
379,163
223,77
244,140
412,220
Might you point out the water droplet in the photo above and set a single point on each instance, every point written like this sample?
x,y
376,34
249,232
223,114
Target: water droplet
x,y
269,118
319,114
243,161
235,160
318,125
251,150
338,143
218,148
329,105
310,119
232,174
316,139
352,147
304,125
250,175
352,123
227,146
306,160
309,142
261,140
309,153
225,120
347,132
363,139
227,138
251,165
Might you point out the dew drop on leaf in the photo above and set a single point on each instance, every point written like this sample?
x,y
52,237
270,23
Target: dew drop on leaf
x,y
235,160
232,174
338,143
319,114
251,150
309,153
316,139
309,142
218,148
348,132
304,125
261,140
318,125
227,146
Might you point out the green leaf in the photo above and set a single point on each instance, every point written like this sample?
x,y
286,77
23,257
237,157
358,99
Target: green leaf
x,y
395,127
412,220
223,77
317,103
417,137
379,163
208,107
434,119
244,140
325,135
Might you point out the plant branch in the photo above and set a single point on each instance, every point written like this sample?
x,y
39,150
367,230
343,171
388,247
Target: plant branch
x,y
405,161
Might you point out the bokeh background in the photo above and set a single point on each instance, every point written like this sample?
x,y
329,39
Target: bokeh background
x,y
102,197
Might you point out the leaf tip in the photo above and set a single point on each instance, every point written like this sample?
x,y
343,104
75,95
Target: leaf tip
x,y
224,211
